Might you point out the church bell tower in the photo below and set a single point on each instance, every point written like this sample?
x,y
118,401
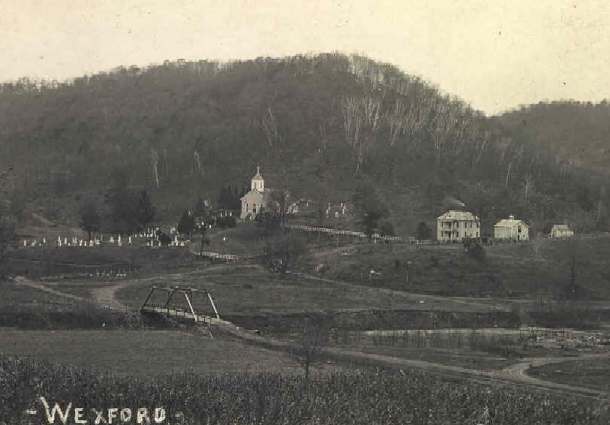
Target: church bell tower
x,y
258,183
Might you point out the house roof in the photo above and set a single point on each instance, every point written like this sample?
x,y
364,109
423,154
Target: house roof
x,y
458,215
560,227
510,222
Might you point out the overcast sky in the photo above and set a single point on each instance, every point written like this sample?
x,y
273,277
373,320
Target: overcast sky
x,y
495,54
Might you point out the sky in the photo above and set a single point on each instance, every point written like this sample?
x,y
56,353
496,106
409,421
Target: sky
x,y
495,54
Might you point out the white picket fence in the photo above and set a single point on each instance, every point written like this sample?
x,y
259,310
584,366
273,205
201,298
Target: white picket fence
x,y
338,232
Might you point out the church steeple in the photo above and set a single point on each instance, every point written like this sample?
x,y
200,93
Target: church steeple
x,y
258,183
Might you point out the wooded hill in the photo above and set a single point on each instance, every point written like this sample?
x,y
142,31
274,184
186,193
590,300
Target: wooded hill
x,y
317,125
579,132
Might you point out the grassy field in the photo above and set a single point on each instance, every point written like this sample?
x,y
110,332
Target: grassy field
x,y
253,290
591,373
526,270
68,261
143,352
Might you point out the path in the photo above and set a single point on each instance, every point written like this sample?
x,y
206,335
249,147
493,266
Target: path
x,y
106,295
515,374
518,372
39,286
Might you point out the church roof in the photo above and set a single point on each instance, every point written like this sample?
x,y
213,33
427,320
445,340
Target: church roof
x,y
255,193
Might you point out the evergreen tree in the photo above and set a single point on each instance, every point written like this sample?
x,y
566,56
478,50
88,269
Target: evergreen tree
x,y
145,210
186,225
423,232
369,207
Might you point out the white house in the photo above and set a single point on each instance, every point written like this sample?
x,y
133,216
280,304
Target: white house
x,y
561,231
511,229
455,225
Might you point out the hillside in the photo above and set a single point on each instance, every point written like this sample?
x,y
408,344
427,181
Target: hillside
x,y
577,132
316,124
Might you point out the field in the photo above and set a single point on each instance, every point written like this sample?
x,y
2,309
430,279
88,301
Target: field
x,y
458,319
365,397
591,374
144,352
525,270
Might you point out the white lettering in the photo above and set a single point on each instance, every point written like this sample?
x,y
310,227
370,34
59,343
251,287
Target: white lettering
x,y
63,416
78,416
112,414
99,417
125,415
142,416
159,415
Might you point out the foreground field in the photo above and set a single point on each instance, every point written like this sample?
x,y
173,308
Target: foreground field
x,y
144,353
354,398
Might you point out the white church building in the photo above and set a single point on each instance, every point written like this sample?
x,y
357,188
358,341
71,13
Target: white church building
x,y
256,199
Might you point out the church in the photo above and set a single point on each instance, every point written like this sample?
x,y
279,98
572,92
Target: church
x,y
256,199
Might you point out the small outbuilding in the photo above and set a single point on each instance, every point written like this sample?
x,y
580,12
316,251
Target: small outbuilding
x,y
511,229
561,231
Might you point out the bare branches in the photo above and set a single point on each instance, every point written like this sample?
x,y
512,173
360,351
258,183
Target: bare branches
x,y
361,120
197,163
154,157
270,128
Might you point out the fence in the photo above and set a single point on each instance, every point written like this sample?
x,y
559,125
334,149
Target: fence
x,y
338,232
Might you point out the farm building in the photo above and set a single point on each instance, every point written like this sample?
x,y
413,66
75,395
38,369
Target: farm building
x,y
455,226
561,231
511,229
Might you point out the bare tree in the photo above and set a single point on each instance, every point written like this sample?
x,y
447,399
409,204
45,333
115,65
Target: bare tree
x,y
309,348
270,128
361,119
154,157
528,184
197,163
